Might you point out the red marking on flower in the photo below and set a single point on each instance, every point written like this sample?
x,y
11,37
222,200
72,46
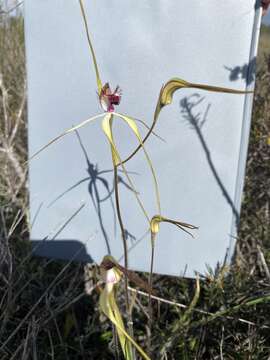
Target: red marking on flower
x,y
108,98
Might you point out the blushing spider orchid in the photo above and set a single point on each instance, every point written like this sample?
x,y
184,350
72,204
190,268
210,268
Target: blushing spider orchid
x,y
108,100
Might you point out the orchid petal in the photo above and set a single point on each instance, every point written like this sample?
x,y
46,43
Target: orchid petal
x,y
166,96
110,308
99,83
157,219
76,127
133,125
107,128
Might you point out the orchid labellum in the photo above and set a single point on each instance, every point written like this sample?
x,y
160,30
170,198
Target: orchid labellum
x,y
108,98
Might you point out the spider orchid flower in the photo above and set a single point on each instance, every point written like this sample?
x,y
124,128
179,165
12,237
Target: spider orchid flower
x,y
154,227
108,99
157,219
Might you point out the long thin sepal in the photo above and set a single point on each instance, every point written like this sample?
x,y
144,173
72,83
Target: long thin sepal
x,y
110,308
99,83
76,127
166,96
131,122
107,128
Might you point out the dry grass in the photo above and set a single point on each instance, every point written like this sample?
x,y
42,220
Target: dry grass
x,y
264,44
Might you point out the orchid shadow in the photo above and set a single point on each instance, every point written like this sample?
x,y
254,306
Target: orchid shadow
x,y
97,181
197,120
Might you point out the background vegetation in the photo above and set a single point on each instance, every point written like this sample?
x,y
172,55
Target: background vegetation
x,y
49,309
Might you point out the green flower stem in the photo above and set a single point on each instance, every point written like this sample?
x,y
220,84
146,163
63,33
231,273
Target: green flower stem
x,y
120,220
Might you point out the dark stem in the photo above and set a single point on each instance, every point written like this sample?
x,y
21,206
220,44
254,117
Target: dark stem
x,y
118,212
150,308
116,344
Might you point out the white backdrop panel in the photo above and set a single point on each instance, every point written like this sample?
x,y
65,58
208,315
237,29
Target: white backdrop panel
x,y
140,45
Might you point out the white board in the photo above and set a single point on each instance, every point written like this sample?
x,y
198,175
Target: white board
x,y
200,167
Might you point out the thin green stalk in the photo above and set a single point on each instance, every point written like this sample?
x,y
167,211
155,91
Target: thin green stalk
x,y
150,280
125,117
120,220
117,160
